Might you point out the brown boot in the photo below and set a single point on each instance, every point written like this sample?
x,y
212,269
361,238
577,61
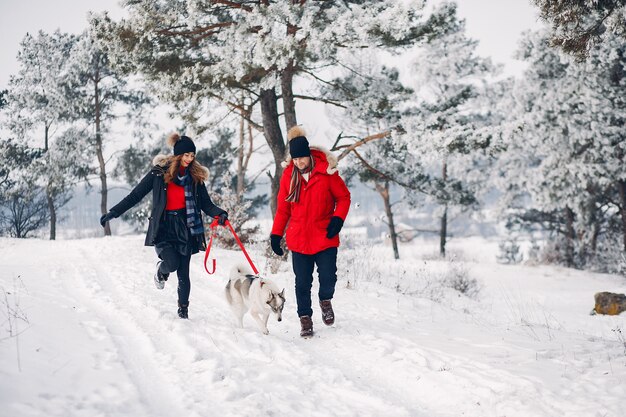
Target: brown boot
x,y
328,316
307,326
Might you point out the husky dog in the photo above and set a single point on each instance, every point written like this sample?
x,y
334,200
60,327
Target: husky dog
x,y
260,296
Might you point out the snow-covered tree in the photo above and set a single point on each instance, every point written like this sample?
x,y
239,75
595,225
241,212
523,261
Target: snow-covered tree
x,y
195,50
563,170
23,203
39,108
99,93
578,25
450,129
373,96
224,186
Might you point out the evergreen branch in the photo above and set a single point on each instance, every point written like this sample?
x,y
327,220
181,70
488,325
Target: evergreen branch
x,y
211,29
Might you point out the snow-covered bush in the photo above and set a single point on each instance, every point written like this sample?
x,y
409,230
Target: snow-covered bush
x,y
457,277
510,252
430,279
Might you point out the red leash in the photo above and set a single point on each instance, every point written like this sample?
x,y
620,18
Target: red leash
x,y
213,225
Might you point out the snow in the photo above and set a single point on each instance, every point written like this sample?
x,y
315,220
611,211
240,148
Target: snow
x,y
100,340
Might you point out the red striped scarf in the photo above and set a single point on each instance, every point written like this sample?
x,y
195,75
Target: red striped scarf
x,y
296,181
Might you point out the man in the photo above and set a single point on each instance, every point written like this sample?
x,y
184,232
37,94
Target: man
x,y
314,201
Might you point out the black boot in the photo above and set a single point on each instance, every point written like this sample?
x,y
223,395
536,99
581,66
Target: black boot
x,y
183,310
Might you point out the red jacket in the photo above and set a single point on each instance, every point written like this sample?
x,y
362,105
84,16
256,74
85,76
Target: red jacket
x,y
323,196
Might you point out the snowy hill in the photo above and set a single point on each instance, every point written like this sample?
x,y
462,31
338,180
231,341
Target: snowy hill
x,y
85,333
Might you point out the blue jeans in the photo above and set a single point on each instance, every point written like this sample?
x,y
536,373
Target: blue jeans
x,y
303,265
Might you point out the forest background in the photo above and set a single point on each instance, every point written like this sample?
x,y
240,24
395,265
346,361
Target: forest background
x,y
436,138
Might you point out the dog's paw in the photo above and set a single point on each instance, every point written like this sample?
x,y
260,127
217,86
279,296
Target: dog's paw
x,y
266,332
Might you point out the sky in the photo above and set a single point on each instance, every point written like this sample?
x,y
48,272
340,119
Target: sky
x,y
496,24
85,333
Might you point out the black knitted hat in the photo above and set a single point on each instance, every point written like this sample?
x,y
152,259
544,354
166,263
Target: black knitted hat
x,y
299,147
184,145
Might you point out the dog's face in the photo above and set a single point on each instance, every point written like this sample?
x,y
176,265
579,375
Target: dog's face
x,y
276,302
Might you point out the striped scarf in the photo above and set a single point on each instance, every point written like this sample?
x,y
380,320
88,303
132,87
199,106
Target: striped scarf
x,y
194,222
296,181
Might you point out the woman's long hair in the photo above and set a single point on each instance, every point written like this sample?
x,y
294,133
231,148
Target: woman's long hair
x,y
199,174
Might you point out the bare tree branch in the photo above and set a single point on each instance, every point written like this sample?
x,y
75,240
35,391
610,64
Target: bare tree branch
x,y
322,100
233,4
350,148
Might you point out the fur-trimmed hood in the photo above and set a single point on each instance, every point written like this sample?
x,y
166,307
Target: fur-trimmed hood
x,y
322,152
162,160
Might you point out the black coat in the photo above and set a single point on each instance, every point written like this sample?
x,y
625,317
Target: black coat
x,y
153,181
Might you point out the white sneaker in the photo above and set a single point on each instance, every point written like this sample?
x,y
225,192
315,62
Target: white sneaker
x,y
159,279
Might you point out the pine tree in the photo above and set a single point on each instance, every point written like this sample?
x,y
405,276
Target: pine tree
x,y
39,108
197,51
373,97
450,130
99,93
563,170
579,25
23,204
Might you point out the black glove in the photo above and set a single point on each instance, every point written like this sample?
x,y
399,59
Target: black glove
x,y
275,242
221,220
106,217
334,227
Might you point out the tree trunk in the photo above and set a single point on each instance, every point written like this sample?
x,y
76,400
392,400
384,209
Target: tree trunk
x,y
274,138
102,166
570,237
46,137
443,231
594,237
52,212
383,190
240,153
621,185
49,197
289,104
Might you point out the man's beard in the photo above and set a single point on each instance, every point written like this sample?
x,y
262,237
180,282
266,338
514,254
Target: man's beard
x,y
305,170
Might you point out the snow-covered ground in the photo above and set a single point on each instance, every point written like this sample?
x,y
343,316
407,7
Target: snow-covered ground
x,y
85,333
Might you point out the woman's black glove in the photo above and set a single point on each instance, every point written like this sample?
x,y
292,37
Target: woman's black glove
x,y
221,220
106,217
275,242
334,227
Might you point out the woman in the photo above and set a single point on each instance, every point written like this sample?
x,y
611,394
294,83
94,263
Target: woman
x,y
175,229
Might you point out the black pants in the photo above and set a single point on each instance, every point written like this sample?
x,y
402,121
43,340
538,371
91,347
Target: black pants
x,y
174,261
174,246
326,262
